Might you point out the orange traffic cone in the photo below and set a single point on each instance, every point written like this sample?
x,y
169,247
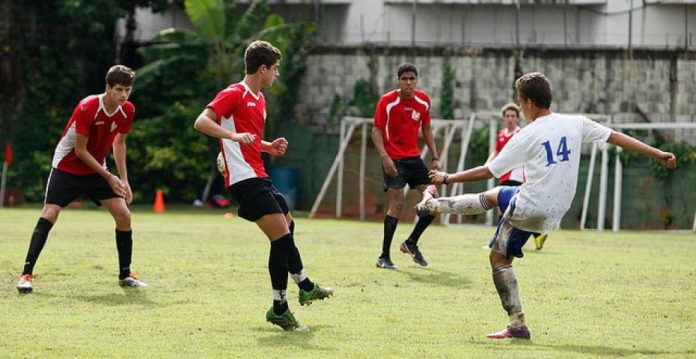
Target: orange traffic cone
x,y
159,202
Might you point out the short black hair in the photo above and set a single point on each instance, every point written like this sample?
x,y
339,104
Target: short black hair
x,y
260,53
406,67
120,75
534,86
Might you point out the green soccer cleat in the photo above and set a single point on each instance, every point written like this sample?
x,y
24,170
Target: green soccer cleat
x,y
318,292
539,241
286,320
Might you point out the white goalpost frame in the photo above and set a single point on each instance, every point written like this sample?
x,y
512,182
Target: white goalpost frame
x,y
618,174
449,129
458,188
348,126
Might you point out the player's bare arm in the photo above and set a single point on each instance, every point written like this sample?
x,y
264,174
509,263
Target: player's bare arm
x,y
119,149
207,123
275,148
430,142
474,174
86,157
626,142
387,163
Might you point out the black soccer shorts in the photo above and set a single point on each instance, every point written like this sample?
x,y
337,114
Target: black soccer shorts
x,y
411,171
63,188
257,197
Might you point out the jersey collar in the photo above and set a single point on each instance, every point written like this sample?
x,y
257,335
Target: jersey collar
x,y
247,89
103,108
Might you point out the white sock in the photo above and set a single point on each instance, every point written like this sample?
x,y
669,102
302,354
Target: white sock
x,y
464,204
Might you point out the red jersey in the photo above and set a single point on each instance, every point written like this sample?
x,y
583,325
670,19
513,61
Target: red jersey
x,y
516,174
400,120
91,119
238,109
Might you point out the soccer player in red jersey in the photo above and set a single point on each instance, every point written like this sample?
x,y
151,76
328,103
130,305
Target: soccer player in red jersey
x,y
98,123
399,115
237,116
511,116
514,177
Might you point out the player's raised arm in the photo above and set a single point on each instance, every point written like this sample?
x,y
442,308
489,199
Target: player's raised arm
x,y
207,123
473,174
626,142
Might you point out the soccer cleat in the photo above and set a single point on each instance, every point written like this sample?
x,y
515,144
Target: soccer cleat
x,y
539,241
426,206
24,284
286,320
317,293
132,282
412,249
509,332
385,263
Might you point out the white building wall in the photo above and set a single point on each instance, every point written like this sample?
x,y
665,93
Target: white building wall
x,y
467,23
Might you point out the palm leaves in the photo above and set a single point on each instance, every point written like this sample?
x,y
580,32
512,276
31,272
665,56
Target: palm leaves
x,y
219,37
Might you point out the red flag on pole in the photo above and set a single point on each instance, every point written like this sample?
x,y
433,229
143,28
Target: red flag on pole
x,y
8,153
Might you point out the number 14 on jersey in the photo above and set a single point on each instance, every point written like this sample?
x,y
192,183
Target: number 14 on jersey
x,y
562,151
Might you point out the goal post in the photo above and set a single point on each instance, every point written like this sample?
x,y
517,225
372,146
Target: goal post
x,y
362,188
445,130
618,173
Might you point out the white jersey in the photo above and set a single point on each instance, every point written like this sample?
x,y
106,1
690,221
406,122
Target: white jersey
x,y
549,148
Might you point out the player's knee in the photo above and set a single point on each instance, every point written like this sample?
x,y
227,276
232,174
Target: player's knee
x,y
498,260
122,218
492,197
50,212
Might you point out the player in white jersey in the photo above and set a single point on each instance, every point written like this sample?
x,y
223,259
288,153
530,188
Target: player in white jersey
x,y
549,148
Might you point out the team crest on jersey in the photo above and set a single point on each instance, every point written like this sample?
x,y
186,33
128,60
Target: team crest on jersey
x,y
83,108
415,115
113,126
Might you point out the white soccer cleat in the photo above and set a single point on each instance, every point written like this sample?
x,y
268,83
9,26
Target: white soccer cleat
x,y
24,285
132,282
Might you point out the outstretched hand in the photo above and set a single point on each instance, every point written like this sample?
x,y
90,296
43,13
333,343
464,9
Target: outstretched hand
x,y
437,177
668,160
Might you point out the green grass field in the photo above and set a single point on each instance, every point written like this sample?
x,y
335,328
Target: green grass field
x,y
586,294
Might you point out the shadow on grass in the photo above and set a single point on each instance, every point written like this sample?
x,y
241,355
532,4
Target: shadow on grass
x,y
597,350
300,339
436,277
128,297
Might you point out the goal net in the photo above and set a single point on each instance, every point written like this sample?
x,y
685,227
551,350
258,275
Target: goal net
x,y
639,192
353,187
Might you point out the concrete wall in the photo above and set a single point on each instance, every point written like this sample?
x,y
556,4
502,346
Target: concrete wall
x,y
661,83
597,23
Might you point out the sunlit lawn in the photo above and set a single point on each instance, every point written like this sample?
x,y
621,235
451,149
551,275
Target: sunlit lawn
x,y
629,294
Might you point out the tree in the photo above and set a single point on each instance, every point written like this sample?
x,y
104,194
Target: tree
x,y
54,53
184,70
447,96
